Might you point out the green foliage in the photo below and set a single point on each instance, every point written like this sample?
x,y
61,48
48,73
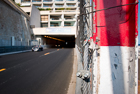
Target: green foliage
x,y
43,9
18,4
68,8
60,8
48,9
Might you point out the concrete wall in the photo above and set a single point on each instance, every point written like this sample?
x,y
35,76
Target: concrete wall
x,y
55,31
39,39
26,9
116,62
18,1
35,17
13,24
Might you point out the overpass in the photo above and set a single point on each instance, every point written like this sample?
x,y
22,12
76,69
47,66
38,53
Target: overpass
x,y
56,37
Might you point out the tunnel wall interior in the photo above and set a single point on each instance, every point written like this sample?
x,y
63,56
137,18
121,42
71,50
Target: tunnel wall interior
x,y
59,41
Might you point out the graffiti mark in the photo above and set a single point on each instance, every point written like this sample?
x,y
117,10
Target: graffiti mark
x,y
116,66
113,76
129,68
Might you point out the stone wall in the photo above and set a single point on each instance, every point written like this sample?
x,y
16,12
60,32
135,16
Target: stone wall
x,y
12,23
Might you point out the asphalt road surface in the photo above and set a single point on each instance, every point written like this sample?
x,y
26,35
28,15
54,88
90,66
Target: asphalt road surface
x,y
44,72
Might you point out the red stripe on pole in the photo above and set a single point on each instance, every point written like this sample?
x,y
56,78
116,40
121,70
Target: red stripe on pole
x,y
116,26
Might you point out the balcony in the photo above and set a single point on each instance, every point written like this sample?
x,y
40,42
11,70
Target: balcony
x,y
44,24
25,1
37,5
59,5
55,24
59,0
71,5
69,23
36,0
70,0
69,17
44,18
47,0
55,17
47,5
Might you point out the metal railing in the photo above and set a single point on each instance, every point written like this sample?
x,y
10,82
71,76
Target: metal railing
x,y
6,49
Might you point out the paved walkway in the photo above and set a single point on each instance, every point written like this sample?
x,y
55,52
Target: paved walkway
x,y
14,52
138,87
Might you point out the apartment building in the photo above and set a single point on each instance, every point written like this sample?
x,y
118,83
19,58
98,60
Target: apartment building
x,y
57,18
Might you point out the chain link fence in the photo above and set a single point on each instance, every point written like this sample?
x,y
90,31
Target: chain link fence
x,y
84,32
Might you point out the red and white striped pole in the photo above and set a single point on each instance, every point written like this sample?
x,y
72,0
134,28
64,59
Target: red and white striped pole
x,y
115,68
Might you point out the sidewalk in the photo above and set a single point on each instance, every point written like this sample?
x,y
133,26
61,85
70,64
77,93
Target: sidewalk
x,y
138,87
72,85
14,52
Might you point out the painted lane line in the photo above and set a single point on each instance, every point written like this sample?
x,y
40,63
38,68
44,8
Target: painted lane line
x,y
49,53
2,69
46,53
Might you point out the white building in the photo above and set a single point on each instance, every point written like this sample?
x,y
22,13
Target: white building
x,y
55,20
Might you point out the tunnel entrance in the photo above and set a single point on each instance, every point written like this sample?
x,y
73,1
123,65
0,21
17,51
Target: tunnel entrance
x,y
59,41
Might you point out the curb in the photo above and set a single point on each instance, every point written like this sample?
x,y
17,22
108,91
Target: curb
x,y
14,52
72,85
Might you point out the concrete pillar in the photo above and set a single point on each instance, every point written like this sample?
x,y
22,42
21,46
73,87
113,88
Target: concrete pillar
x,y
13,40
62,17
48,20
115,64
40,39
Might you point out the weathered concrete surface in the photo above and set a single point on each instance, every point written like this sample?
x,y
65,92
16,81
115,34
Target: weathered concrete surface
x,y
72,84
13,24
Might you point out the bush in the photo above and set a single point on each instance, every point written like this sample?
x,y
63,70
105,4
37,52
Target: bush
x,y
18,4
68,8
60,9
42,9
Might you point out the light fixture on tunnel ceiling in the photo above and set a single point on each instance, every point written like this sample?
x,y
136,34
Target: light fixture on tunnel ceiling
x,y
44,36
55,38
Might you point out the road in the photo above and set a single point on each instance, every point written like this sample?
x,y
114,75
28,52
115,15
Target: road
x,y
45,72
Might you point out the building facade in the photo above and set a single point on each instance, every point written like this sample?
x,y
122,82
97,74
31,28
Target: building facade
x,y
58,18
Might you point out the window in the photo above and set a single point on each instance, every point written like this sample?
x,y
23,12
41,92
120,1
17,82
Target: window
x,y
54,24
67,24
44,24
25,1
59,5
36,0
44,17
47,5
47,1
70,5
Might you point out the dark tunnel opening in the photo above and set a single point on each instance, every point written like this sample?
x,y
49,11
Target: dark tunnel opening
x,y
59,41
